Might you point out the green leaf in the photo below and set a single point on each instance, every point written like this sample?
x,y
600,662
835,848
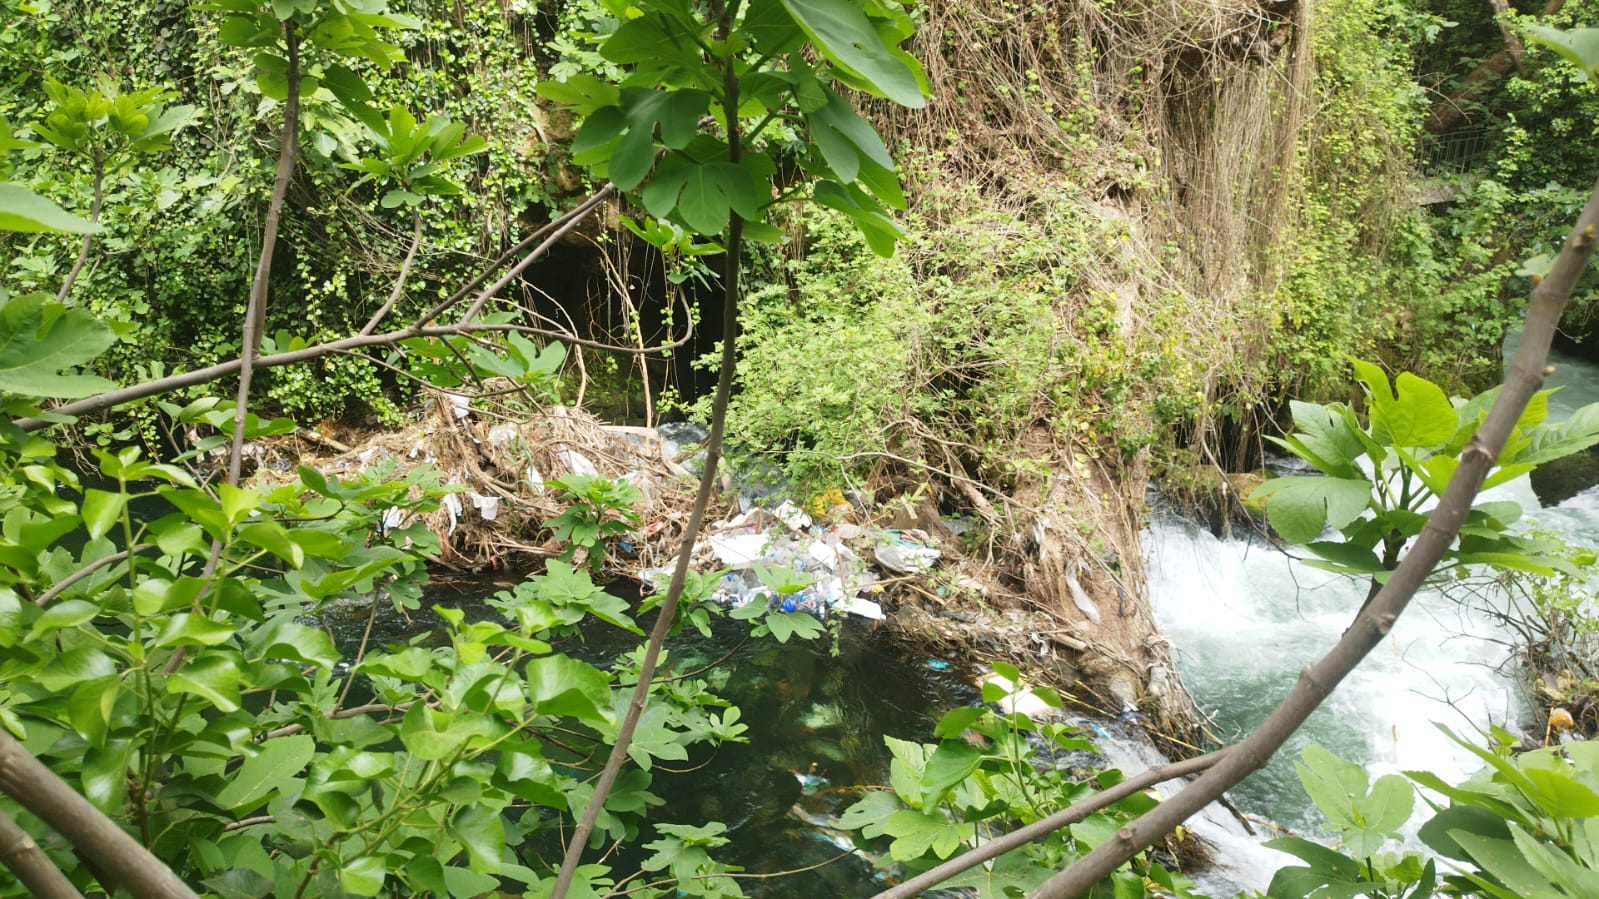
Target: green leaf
x,y
847,38
1414,413
10,617
73,667
1318,856
1505,862
677,113
432,735
584,93
271,770
1467,818
1331,783
102,510
23,210
274,538
63,615
949,765
90,706
1347,557
1560,795
1300,507
1579,46
879,230
481,831
38,340
846,139
559,685
786,624
957,720
364,876
703,194
870,814
287,639
917,833
193,629
213,677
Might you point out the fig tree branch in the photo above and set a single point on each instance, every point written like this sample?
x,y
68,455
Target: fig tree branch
x,y
420,328
37,789
255,313
399,281
667,613
34,870
1046,826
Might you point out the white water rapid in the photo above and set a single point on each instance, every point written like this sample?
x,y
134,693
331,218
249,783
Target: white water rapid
x,y
1245,619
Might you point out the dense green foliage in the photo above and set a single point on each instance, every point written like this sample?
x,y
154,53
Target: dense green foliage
x,y
981,327
180,236
155,652
1379,479
1525,825
993,771
419,768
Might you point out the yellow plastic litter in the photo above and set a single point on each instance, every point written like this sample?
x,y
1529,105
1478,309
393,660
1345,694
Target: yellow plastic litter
x,y
1560,722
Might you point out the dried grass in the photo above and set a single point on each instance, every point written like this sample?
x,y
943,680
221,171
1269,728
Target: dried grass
x,y
507,453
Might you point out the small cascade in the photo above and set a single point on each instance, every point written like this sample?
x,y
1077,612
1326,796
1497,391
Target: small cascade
x,y
1246,619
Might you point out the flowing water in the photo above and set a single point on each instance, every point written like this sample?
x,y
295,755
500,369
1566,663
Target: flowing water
x,y
1245,619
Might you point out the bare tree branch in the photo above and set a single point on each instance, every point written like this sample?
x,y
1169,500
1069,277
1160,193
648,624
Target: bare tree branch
x,y
37,789
667,613
571,221
61,586
123,395
1316,682
255,314
33,868
1046,826
1448,112
88,238
578,212
1518,50
399,281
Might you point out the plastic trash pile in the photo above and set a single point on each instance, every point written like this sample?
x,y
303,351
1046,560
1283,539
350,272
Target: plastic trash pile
x,y
819,561
837,578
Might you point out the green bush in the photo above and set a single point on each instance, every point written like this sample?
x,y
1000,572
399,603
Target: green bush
x,y
983,325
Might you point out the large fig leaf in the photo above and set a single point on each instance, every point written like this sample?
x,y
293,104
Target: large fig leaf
x,y
40,338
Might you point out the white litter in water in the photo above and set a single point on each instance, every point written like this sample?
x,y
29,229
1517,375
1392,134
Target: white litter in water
x,y
831,553
738,551
1080,596
857,605
906,558
792,515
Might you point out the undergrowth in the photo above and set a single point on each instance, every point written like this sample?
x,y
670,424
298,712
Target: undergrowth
x,y
985,323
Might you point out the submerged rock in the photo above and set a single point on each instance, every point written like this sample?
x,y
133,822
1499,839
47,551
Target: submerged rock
x,y
1556,481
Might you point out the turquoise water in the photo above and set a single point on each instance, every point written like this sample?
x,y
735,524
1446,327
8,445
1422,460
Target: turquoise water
x,y
1245,619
